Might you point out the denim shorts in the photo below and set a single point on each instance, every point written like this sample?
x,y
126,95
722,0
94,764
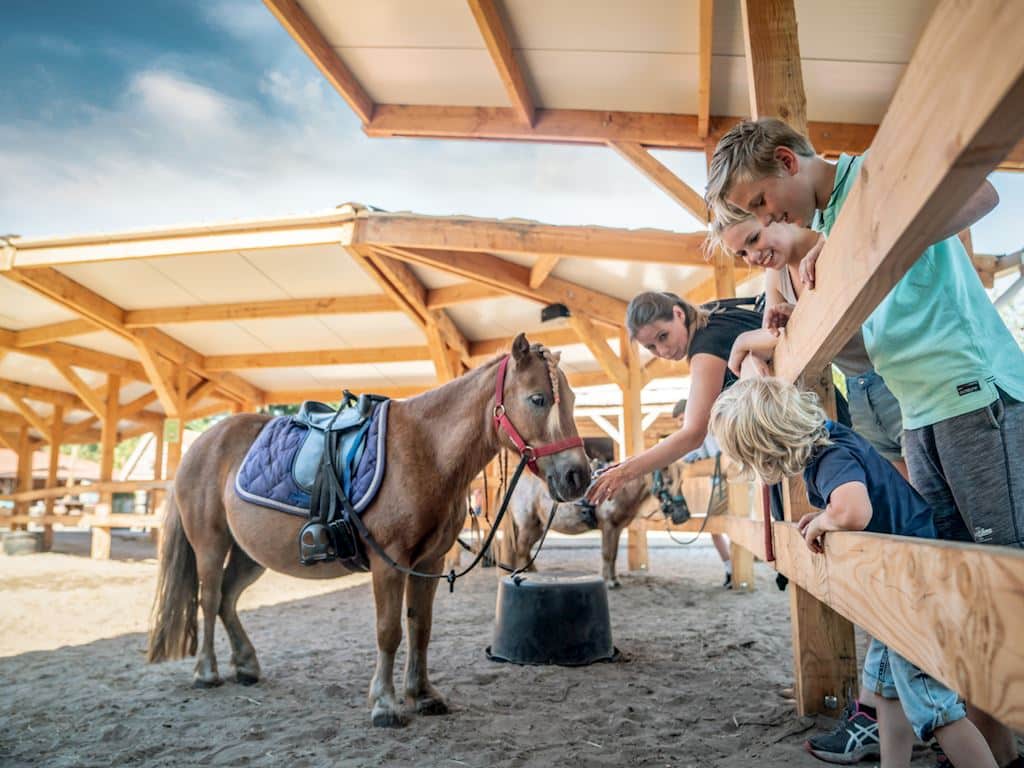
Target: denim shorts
x,y
875,414
926,702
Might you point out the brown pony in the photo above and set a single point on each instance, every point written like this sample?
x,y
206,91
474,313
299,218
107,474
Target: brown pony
x,y
531,504
436,443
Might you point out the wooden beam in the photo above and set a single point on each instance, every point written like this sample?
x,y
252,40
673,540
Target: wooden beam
x,y
774,77
972,141
30,414
200,392
462,293
561,337
52,466
253,310
129,409
610,362
100,549
633,435
588,379
160,376
666,181
515,280
364,256
725,275
541,268
89,396
80,357
706,25
529,238
41,394
73,431
44,334
495,35
438,351
302,29
659,368
316,357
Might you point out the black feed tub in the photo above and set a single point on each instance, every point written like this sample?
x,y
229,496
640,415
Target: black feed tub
x,y
552,618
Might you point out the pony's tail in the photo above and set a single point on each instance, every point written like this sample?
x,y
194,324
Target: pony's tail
x,y
172,631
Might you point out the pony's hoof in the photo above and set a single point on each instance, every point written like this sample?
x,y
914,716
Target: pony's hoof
x,y
432,706
200,682
387,718
245,678
614,584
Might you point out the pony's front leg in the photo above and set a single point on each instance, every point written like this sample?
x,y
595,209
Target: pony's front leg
x,y
419,601
609,552
388,585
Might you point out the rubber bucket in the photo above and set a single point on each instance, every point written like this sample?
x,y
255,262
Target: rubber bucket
x,y
552,618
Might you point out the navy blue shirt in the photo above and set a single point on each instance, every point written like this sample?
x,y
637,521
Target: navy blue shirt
x,y
895,506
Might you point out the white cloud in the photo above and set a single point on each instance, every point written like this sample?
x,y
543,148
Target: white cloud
x,y
170,97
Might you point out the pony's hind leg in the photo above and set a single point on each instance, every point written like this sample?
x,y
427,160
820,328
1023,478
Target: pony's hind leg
x,y
210,564
241,571
419,600
388,586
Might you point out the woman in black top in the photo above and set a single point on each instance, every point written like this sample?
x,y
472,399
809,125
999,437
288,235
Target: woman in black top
x,y
674,329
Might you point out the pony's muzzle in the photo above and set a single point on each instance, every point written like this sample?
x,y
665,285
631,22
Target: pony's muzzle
x,y
568,478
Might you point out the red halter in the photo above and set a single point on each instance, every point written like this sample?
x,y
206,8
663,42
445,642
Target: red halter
x,y
501,422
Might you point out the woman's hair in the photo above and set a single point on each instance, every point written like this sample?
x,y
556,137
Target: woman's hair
x,y
651,306
725,216
769,426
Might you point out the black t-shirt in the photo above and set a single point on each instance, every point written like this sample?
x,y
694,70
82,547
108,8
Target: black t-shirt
x,y
729,320
895,506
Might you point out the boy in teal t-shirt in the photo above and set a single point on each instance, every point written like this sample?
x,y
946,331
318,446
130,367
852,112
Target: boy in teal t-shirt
x,y
936,340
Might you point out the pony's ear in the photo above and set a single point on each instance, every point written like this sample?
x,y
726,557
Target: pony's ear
x,y
520,349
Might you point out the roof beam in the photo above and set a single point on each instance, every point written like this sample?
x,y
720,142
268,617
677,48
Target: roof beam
x,y
542,268
42,394
43,334
317,357
305,33
161,376
528,237
333,395
973,139
29,413
515,279
462,293
598,346
256,310
774,76
637,156
706,25
92,398
495,35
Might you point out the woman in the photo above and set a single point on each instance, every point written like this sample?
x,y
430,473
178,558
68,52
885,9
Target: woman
x,y
672,328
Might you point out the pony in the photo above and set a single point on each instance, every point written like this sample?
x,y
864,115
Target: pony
x,y
214,544
531,505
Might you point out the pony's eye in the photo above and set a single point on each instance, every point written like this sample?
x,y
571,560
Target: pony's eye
x,y
538,400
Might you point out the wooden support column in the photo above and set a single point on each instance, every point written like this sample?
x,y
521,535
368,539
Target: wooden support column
x,y
56,435
156,497
742,499
108,441
633,434
24,472
174,428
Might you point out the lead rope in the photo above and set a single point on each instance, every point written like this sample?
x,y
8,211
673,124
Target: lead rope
x,y
718,484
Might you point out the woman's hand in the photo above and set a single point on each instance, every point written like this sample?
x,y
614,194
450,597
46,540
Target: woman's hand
x,y
609,482
753,367
813,526
808,264
776,317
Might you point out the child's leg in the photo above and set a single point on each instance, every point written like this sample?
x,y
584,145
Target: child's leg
x,y
964,744
894,734
722,545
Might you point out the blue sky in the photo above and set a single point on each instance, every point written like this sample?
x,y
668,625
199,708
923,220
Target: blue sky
x,y
123,115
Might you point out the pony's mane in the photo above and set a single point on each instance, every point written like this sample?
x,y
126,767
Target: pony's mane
x,y
551,360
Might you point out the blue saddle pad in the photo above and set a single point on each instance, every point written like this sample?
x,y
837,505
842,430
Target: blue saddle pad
x,y
272,476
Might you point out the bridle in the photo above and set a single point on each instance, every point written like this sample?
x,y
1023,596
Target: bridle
x,y
529,453
671,504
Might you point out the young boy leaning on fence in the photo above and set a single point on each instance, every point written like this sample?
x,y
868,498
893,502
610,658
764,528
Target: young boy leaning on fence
x,y
768,426
936,339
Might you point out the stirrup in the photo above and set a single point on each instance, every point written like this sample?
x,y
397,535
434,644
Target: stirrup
x,y
315,544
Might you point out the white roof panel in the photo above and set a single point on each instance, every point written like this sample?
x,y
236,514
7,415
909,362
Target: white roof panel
x,y
375,329
313,271
22,308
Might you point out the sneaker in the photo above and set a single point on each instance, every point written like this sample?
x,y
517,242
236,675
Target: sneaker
x,y
854,738
727,584
941,761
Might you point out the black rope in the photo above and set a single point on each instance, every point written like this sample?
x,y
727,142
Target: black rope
x,y
717,483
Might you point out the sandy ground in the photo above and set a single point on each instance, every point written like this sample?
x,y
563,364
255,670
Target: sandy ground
x,y
702,680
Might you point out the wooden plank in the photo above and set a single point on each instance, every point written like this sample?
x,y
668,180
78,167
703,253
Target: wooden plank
x,y
23,473
120,520
529,237
85,392
100,548
561,337
293,396
113,486
664,179
319,50
515,279
452,295
44,334
52,465
610,363
364,256
725,275
492,29
774,76
742,494
438,352
705,25
68,293
973,140
252,310
135,406
316,357
73,431
542,268
80,357
200,392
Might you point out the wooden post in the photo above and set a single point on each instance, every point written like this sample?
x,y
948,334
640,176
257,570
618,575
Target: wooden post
x,y
108,441
156,497
56,433
174,428
633,436
24,473
741,501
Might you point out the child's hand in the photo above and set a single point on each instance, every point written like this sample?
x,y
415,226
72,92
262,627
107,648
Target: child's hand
x,y
808,264
813,526
776,317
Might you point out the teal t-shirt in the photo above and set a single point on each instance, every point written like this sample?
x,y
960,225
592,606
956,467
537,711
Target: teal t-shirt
x,y
936,339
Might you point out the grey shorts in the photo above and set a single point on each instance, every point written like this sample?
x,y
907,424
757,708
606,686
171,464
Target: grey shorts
x,y
875,414
970,470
